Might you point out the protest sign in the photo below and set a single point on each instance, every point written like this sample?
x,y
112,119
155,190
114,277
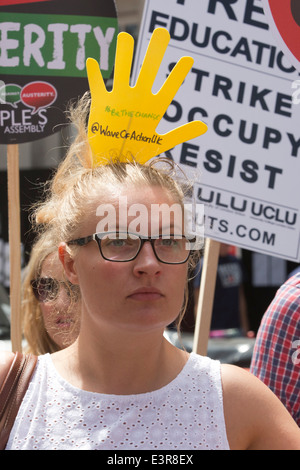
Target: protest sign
x,y
246,166
43,49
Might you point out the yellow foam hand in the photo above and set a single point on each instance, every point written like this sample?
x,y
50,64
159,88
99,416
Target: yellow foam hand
x,y
122,122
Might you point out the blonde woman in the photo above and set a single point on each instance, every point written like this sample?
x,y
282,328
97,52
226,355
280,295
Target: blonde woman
x,y
121,384
50,303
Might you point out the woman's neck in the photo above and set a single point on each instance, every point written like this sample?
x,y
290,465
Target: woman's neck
x,y
122,365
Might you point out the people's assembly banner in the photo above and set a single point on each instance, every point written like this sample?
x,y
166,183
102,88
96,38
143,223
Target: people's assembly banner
x,y
43,48
246,167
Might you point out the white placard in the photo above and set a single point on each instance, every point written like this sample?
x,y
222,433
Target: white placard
x,y
246,168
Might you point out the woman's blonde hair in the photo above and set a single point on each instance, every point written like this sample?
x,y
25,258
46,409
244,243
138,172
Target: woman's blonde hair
x,y
36,335
76,184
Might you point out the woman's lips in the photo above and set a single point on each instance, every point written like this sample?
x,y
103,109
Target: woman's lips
x,y
64,322
146,294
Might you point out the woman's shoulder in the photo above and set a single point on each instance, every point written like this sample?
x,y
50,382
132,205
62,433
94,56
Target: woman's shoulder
x,y
254,416
244,393
6,358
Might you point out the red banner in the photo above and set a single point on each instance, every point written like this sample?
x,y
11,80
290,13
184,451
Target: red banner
x,y
17,2
286,16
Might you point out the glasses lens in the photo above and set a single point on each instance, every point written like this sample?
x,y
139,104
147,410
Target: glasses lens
x,y
172,249
121,246
45,289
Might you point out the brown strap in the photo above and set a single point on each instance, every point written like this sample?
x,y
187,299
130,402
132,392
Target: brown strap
x,y
12,392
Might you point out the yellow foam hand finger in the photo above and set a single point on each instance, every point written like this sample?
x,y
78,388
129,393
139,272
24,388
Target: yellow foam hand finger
x,y
122,122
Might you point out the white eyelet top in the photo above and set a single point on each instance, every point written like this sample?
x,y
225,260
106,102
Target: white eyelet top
x,y
185,414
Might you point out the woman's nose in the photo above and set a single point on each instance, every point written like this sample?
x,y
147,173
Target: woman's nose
x,y
64,296
146,262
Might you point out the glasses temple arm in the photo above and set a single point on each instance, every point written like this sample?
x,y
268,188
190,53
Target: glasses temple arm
x,y
81,241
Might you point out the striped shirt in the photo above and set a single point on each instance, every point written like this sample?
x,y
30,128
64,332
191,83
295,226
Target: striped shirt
x,y
276,355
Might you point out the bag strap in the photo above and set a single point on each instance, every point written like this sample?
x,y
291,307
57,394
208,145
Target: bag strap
x,y
12,392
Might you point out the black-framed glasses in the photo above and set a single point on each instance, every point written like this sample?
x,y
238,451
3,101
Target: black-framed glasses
x,y
46,289
125,246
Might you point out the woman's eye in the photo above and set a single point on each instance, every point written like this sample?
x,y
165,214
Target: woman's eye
x,y
118,242
168,242
49,288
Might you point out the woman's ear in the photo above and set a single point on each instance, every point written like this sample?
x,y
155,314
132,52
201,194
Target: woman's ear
x,y
68,263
